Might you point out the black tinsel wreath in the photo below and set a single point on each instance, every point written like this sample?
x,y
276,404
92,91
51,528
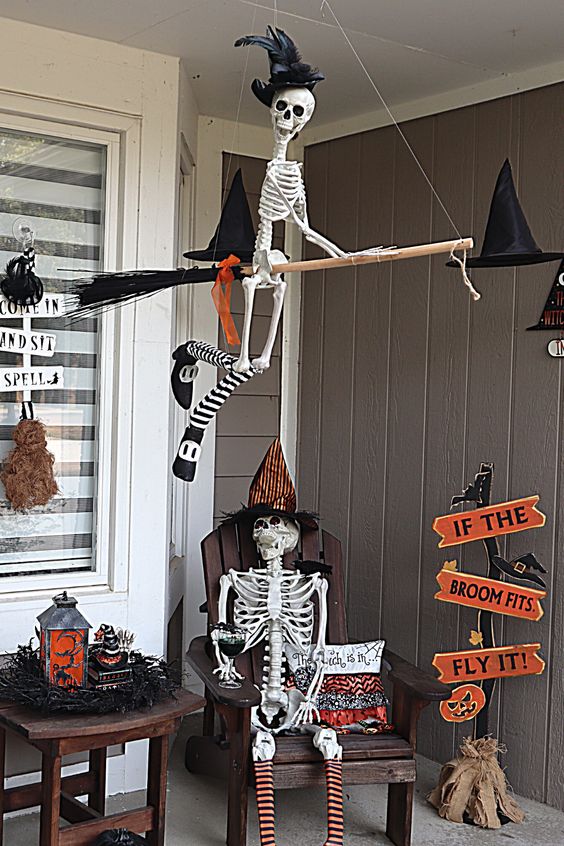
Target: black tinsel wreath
x,y
119,836
22,681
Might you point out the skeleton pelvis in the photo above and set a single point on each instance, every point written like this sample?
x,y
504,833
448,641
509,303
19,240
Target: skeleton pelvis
x,y
273,714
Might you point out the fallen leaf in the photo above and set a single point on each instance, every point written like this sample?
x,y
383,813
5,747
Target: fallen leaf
x,y
476,638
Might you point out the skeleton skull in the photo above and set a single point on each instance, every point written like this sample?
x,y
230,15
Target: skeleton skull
x,y
291,109
275,536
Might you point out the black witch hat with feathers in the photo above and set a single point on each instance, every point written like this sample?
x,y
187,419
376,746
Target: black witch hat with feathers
x,y
286,66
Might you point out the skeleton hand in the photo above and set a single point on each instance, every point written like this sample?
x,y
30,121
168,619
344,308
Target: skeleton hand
x,y
307,713
226,671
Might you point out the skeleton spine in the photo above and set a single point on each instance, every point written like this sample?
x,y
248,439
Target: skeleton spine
x,y
273,657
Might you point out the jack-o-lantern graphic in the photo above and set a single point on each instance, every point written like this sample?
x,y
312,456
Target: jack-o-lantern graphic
x,y
464,704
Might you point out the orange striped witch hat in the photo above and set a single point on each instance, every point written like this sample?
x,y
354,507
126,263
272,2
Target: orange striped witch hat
x,y
272,491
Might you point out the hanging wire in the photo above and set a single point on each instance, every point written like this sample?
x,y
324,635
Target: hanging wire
x,y
325,3
234,138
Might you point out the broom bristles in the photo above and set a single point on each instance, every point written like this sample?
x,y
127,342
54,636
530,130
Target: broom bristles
x,y
101,291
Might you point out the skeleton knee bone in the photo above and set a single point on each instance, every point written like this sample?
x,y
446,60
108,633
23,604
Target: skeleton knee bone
x,y
264,746
326,741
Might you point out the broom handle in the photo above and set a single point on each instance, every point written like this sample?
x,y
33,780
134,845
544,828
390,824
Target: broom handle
x,y
389,254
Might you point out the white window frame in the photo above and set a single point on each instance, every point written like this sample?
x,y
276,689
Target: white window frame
x,y
185,240
120,136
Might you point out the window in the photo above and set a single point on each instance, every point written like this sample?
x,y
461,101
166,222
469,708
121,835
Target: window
x,y
57,186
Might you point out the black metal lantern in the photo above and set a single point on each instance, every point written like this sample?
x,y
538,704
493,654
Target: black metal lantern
x,y
64,643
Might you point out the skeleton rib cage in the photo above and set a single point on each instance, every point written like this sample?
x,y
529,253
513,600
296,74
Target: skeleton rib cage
x,y
283,181
257,602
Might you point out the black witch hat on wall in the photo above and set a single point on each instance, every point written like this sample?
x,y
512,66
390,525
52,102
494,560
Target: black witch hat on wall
x,y
234,236
508,240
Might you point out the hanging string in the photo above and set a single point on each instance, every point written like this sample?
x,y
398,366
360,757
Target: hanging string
x,y
390,114
234,138
240,100
465,278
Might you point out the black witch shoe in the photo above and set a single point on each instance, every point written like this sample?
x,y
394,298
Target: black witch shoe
x,y
189,451
182,377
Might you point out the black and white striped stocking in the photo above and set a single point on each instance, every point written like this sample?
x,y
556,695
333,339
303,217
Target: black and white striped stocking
x,y
189,451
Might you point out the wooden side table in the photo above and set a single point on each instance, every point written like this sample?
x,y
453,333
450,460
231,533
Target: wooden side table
x,y
55,736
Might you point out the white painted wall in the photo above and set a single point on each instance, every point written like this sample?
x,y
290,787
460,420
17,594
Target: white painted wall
x,y
66,77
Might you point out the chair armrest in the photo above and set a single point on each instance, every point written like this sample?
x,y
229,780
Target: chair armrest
x,y
417,683
245,696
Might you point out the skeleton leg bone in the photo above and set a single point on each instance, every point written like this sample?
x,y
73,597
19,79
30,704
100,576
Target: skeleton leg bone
x,y
263,362
264,748
249,283
326,741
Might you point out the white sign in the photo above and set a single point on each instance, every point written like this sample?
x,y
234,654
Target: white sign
x,y
556,347
31,379
25,342
52,305
343,659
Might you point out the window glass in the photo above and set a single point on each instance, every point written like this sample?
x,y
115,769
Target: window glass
x,y
56,186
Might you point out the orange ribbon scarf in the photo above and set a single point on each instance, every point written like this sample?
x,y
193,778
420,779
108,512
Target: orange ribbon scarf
x,y
222,298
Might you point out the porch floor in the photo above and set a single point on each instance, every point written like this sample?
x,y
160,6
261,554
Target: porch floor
x,y
197,807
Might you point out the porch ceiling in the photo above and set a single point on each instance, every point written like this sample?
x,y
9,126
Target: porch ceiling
x,y
413,49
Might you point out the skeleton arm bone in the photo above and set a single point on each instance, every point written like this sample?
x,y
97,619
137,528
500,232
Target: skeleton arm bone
x,y
308,710
300,218
223,668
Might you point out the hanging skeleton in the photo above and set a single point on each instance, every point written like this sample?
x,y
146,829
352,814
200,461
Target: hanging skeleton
x,y
288,95
275,607
242,256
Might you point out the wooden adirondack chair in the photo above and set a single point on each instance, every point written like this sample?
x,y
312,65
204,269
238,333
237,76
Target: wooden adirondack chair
x,y
385,758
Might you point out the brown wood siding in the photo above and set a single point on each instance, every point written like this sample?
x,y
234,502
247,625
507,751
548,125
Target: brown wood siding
x,y
250,420
406,385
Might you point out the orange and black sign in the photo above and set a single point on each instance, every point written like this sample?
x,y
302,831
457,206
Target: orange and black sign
x,y
489,595
477,664
65,657
465,703
489,522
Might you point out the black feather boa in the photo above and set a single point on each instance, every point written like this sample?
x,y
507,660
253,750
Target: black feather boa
x,y
21,285
119,837
22,681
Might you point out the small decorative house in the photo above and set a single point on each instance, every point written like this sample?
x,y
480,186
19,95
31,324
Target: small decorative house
x,y
64,643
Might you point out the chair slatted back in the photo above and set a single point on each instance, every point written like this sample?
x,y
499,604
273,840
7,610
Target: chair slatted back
x,y
231,546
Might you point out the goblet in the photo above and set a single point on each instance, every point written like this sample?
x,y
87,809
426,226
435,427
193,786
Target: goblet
x,y
231,641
